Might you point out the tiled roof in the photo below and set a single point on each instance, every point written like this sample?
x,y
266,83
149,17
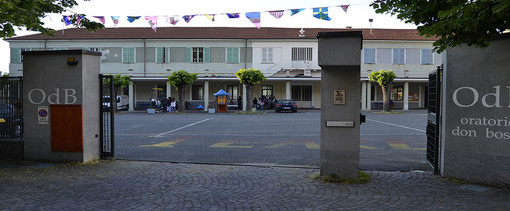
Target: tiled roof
x,y
218,33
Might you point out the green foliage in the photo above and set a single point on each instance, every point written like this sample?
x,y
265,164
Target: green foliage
x,y
363,178
250,76
29,13
5,75
383,77
453,21
119,80
181,78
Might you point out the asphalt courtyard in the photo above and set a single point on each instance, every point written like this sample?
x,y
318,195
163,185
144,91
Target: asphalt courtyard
x,y
389,142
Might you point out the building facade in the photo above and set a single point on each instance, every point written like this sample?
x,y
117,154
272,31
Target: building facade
x,y
286,56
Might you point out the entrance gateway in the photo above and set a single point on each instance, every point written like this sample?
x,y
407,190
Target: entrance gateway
x,y
62,105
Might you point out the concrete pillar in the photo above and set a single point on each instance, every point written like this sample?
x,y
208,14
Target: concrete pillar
x,y
131,97
420,97
406,95
287,90
244,98
206,95
363,95
168,90
369,95
340,60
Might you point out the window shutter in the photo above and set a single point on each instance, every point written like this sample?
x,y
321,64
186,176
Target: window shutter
x,y
125,55
15,56
159,55
207,55
188,55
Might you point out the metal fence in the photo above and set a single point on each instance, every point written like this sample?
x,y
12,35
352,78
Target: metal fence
x,y
11,108
106,113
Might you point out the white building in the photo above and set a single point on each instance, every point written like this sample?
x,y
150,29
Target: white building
x,y
286,56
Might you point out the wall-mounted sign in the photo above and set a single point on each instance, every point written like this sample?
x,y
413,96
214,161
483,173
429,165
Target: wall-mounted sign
x,y
339,97
42,115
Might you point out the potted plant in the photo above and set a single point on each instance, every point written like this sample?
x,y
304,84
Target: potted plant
x,y
212,109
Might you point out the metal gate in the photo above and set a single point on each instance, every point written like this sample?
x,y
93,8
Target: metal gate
x,y
434,118
106,113
11,108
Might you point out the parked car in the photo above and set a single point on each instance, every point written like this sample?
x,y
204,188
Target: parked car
x,y
122,102
286,105
10,126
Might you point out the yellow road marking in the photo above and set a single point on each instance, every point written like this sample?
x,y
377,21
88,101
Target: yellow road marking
x,y
400,145
308,143
228,144
166,143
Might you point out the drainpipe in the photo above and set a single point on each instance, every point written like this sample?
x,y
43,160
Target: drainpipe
x,y
144,58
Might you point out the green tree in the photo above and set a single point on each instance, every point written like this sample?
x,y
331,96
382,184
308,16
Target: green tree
x,y
118,81
249,77
29,13
179,80
384,78
454,22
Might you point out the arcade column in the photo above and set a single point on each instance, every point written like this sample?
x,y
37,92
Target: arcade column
x,y
340,60
61,105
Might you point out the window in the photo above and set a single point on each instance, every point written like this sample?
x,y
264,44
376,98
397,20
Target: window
x,y
302,93
267,90
397,93
95,49
398,56
128,55
426,56
162,55
369,55
301,54
198,54
233,90
233,55
21,53
267,55
197,92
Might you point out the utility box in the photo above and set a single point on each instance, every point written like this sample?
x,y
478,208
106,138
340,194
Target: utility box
x,y
61,105
340,60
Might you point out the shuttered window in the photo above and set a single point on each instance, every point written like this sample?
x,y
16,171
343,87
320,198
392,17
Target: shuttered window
x,y
301,54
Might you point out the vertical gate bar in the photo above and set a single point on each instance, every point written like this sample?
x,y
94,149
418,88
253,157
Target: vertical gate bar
x,y
101,131
113,99
438,118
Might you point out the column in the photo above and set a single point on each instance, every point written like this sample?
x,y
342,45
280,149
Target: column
x,y
131,96
287,90
369,95
406,95
245,101
168,90
420,96
206,95
363,95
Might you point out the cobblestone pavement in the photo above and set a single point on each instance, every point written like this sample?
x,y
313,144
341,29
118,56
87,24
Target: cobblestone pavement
x,y
135,185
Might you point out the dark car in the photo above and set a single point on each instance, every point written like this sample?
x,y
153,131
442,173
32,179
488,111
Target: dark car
x,y
286,105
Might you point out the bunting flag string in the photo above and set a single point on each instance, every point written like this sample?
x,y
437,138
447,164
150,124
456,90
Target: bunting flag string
x,y
153,22
131,19
78,19
277,14
321,13
101,18
115,20
254,17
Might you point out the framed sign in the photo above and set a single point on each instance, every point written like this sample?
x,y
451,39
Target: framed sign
x,y
339,97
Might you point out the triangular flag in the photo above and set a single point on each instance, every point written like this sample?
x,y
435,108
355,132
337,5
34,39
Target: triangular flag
x,y
172,20
254,17
344,7
131,19
277,14
101,18
321,13
78,19
115,20
210,16
187,18
233,15
295,11
153,21
66,20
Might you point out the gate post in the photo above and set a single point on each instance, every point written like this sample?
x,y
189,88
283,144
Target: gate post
x,y
340,60
60,105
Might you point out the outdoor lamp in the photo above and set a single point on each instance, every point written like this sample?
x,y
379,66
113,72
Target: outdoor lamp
x,y
72,61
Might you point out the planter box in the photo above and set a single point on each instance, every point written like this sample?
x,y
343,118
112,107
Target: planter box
x,y
151,110
212,110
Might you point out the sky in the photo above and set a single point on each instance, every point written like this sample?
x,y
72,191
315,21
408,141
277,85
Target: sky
x,y
357,16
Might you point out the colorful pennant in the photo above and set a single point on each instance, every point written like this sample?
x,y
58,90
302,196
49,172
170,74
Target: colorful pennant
x,y
277,14
295,11
153,22
101,18
210,16
172,20
187,18
254,17
344,7
115,20
78,19
233,15
66,20
131,19
321,13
